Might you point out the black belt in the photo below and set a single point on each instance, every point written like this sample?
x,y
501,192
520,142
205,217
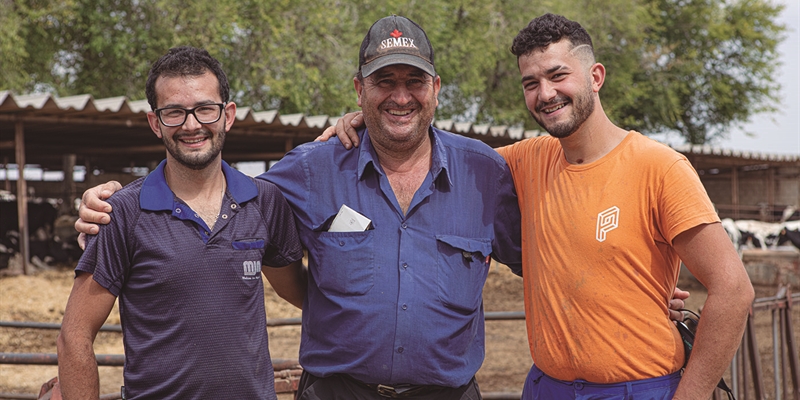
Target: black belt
x,y
399,391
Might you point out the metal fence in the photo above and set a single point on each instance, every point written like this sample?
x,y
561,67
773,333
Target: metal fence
x,y
746,376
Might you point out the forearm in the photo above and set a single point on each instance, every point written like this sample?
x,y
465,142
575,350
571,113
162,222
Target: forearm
x,y
718,336
77,370
289,282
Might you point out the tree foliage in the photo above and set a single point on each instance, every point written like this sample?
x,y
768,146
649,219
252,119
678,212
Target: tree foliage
x,y
693,66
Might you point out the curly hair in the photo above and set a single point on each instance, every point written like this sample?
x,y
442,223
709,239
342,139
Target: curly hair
x,y
546,30
185,61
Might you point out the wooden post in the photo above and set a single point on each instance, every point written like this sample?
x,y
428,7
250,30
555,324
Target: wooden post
x,y
735,191
22,195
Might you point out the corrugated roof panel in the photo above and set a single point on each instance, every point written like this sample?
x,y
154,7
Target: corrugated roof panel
x,y
445,124
112,104
480,129
497,131
317,121
37,101
77,103
266,117
139,106
291,119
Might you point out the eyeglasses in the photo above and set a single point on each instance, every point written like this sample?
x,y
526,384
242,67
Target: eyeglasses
x,y
176,116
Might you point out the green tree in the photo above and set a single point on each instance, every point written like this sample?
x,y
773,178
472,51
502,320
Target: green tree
x,y
697,67
707,66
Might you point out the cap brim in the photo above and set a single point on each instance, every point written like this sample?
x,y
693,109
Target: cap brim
x,y
394,59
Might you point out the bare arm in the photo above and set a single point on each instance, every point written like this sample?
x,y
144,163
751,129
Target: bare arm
x,y
87,308
290,282
711,258
94,210
345,129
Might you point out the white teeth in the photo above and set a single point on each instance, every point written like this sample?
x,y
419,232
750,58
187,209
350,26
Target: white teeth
x,y
549,110
399,112
194,141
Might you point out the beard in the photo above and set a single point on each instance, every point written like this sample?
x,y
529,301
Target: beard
x,y
397,137
583,106
195,160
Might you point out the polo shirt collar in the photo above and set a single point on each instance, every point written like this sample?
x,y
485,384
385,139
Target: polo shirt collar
x,y
157,196
439,160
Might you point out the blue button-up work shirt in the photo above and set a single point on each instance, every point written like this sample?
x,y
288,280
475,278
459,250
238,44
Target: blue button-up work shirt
x,y
400,302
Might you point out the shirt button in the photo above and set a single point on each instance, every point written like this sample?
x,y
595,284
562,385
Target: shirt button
x,y
196,216
405,266
400,349
224,216
206,232
233,206
178,210
579,385
405,307
404,226
341,243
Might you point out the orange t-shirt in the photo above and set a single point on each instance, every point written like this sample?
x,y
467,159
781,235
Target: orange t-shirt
x,y
598,265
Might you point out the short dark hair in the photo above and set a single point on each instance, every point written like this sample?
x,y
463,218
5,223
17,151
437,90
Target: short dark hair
x,y
546,30
185,61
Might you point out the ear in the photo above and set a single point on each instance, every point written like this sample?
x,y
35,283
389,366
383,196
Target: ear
x,y
230,115
437,85
357,86
598,73
155,125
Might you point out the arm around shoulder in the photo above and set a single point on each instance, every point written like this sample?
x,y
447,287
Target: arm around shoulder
x,y
87,309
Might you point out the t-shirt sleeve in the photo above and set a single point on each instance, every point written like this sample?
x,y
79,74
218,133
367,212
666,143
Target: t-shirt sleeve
x,y
106,256
284,244
683,201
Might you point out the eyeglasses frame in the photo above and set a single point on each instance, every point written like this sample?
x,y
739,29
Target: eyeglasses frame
x,y
191,111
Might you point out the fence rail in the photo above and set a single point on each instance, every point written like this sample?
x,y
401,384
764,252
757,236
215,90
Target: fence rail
x,y
746,371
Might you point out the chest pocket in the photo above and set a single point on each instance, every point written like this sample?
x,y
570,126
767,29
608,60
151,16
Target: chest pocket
x,y
246,261
462,270
344,262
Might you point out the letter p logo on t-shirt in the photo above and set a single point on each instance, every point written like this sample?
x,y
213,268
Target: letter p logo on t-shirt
x,y
607,221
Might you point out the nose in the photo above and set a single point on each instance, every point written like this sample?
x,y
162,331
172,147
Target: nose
x,y
191,123
547,91
401,95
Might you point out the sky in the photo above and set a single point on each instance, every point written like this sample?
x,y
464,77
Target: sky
x,y
777,132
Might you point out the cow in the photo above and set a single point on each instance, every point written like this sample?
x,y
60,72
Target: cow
x,y
44,246
759,234
790,233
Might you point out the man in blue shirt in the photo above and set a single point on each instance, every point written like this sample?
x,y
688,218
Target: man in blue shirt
x,y
395,310
184,255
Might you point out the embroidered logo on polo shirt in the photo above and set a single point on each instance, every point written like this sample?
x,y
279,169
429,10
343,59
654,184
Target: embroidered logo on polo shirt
x,y
607,221
251,268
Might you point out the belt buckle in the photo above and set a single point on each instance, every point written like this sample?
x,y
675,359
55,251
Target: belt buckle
x,y
387,391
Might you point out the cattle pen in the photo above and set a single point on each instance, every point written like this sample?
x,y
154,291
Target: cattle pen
x,y
748,377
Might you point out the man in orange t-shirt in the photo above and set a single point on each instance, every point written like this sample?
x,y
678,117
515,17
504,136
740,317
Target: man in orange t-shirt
x,y
608,215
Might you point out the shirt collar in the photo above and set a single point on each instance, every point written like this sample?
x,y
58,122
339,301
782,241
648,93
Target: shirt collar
x,y
157,196
439,160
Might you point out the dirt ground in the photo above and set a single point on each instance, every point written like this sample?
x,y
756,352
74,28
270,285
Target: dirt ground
x,y
42,297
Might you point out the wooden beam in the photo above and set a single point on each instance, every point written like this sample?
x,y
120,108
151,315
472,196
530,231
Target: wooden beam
x,y
22,195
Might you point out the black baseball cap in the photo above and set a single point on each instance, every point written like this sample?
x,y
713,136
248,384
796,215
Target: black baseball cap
x,y
395,40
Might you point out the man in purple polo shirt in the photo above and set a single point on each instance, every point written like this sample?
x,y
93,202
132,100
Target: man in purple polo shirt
x,y
184,254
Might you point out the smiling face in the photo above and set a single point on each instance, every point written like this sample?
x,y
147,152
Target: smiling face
x,y
398,102
560,85
193,145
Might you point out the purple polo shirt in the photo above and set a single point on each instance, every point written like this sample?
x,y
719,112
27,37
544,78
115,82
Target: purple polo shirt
x,y
191,300
399,303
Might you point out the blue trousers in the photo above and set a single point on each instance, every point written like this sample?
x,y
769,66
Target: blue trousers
x,y
539,386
